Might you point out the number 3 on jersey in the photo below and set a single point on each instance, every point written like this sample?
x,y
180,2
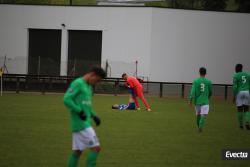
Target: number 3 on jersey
x,y
202,86
244,79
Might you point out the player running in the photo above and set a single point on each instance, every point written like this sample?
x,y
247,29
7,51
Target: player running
x,y
201,92
134,84
78,100
241,86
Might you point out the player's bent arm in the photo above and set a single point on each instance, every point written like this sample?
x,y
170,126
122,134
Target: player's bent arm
x,y
95,118
71,93
92,113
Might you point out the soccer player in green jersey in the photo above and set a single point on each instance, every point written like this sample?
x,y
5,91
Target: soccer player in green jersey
x,y
201,92
241,86
78,99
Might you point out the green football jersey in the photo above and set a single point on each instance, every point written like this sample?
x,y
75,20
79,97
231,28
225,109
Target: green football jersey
x,y
201,91
79,98
241,82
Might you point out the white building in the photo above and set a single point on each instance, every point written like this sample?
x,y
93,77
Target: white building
x,y
169,45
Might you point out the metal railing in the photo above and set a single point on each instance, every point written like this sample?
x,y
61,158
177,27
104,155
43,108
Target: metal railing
x,y
35,83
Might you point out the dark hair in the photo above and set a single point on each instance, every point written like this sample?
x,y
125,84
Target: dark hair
x,y
98,71
123,75
203,71
238,67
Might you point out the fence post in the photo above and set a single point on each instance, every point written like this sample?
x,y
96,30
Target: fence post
x,y
116,87
182,90
43,85
226,91
26,83
50,84
161,89
17,84
1,78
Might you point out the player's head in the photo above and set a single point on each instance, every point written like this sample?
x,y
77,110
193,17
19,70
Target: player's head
x,y
95,75
238,68
115,106
203,71
124,76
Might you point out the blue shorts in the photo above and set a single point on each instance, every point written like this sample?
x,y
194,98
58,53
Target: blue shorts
x,y
130,106
131,91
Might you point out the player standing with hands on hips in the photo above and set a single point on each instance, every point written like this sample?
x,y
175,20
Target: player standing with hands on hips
x,y
241,86
137,87
201,92
78,100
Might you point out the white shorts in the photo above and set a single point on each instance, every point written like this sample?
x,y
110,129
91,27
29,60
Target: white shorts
x,y
242,98
84,139
202,109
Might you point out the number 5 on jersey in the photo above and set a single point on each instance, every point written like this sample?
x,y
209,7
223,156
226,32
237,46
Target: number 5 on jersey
x,y
244,79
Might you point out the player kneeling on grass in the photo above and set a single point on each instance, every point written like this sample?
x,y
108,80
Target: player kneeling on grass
x,y
134,84
78,100
201,92
241,86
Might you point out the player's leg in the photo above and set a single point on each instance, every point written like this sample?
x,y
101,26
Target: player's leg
x,y
145,102
198,118
92,156
134,98
74,158
140,94
202,121
240,109
198,115
247,116
240,116
136,102
204,111
77,147
92,142
246,110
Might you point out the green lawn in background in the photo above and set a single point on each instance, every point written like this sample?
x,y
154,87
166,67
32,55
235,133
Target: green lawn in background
x,y
35,133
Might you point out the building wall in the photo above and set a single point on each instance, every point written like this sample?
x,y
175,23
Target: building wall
x,y
184,40
126,33
170,45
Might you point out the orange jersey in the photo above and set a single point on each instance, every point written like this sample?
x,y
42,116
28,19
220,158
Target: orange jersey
x,y
133,82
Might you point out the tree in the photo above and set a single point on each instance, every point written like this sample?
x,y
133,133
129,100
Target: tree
x,y
215,5
185,4
244,5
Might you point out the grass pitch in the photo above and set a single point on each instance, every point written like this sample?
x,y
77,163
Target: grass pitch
x,y
35,133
